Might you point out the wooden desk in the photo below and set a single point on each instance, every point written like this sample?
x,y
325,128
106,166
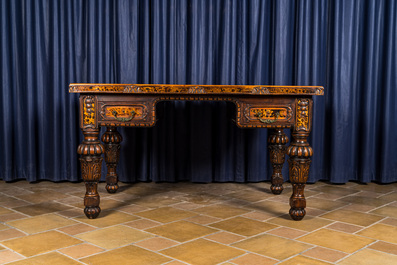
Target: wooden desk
x,y
273,107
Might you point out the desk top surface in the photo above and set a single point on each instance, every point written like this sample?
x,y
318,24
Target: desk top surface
x,y
195,89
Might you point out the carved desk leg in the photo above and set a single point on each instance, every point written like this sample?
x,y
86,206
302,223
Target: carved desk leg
x,y
299,162
277,148
112,140
90,151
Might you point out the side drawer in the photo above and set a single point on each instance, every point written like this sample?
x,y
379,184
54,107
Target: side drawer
x,y
270,112
126,111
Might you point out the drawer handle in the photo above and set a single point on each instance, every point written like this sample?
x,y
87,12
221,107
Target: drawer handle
x,y
275,114
132,113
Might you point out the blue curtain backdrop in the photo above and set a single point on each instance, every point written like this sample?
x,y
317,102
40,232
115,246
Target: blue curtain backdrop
x,y
349,47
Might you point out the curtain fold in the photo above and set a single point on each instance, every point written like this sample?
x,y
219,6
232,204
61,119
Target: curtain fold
x,y
346,46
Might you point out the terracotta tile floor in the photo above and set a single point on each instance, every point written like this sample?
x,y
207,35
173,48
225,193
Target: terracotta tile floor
x,y
188,223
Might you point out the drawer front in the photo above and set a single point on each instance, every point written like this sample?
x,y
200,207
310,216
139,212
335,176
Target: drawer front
x,y
134,112
278,112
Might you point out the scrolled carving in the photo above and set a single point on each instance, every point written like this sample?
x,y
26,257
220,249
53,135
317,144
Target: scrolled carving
x,y
299,170
112,139
91,168
277,148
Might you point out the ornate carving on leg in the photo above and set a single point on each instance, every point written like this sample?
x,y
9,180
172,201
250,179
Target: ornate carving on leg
x,y
90,151
112,140
277,148
299,162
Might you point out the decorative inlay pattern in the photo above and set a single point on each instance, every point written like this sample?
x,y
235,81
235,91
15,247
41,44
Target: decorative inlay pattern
x,y
89,103
302,115
196,89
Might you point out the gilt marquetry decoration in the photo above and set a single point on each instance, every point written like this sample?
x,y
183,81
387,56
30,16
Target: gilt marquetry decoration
x,y
303,115
89,111
195,89
268,115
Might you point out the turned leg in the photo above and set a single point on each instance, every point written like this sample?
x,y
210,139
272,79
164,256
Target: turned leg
x,y
299,162
112,140
90,151
277,148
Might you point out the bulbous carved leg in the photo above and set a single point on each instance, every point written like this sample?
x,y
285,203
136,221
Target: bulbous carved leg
x,y
90,151
299,164
277,148
112,140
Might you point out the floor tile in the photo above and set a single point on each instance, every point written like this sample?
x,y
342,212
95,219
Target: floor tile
x,y
272,246
10,233
356,218
271,207
165,214
392,197
220,211
287,232
154,201
308,223
42,208
143,224
80,251
344,227
225,237
202,252
382,232
374,187
12,203
41,223
74,212
336,240
203,219
9,256
132,208
369,257
389,221
181,231
364,201
298,260
131,255
5,211
156,243
336,189
76,229
260,216
11,217
250,259
385,247
50,258
176,262
43,195
326,205
4,227
243,226
249,195
107,218
114,236
325,254
40,243
388,211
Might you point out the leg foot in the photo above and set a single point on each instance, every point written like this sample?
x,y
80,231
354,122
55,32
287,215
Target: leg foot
x,y
297,214
112,139
277,148
92,212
